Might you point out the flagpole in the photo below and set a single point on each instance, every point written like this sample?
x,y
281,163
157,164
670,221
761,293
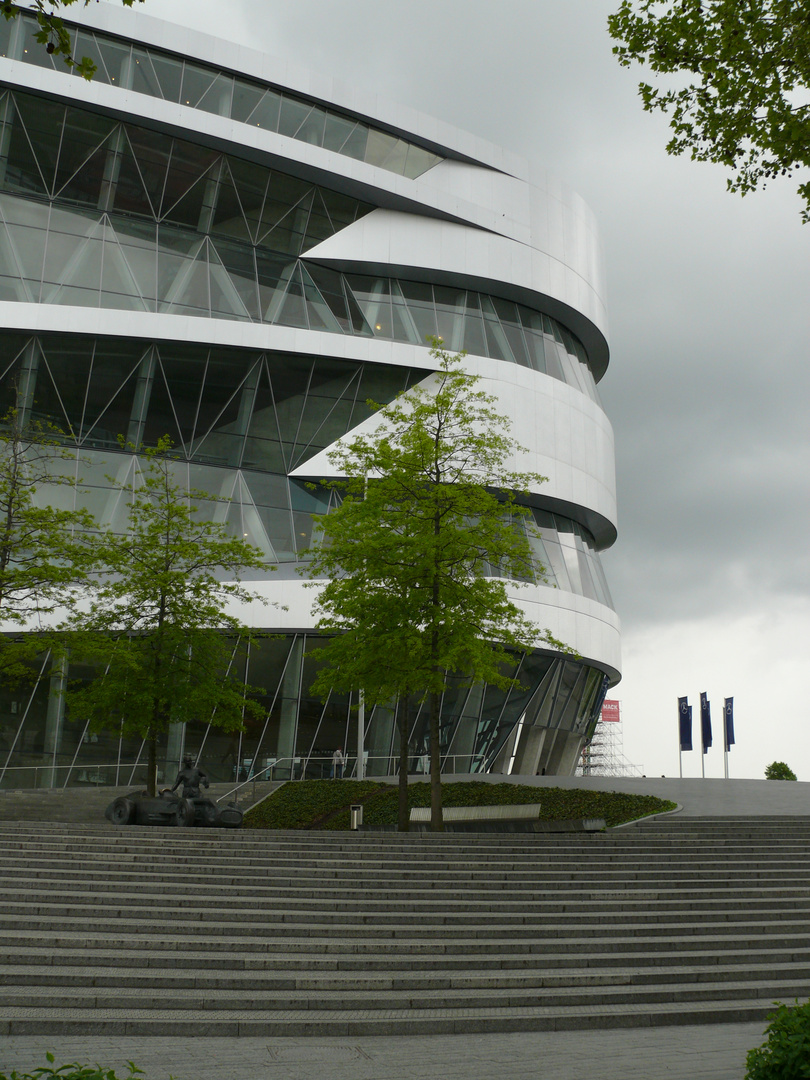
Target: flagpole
x,y
702,749
680,742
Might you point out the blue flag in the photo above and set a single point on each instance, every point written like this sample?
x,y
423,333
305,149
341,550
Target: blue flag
x,y
685,723
728,719
705,721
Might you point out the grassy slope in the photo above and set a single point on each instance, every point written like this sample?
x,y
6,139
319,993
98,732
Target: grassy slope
x,y
324,804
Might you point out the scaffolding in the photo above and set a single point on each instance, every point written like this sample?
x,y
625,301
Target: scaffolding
x,y
604,754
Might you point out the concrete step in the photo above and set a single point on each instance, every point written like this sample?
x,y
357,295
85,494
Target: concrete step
x,y
347,918
271,925
166,931
323,872
202,956
529,978
622,904
226,999
289,1023
642,945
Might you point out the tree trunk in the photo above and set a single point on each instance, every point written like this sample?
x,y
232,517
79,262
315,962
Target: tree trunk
x,y
401,714
151,767
436,819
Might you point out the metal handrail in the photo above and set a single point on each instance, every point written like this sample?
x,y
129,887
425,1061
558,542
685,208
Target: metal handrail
x,y
94,768
300,767
289,764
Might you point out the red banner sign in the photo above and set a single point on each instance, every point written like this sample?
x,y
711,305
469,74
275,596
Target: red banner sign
x,y
610,712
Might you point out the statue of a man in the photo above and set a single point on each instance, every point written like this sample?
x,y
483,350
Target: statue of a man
x,y
191,776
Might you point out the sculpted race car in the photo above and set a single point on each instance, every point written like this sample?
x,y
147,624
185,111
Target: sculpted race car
x,y
140,808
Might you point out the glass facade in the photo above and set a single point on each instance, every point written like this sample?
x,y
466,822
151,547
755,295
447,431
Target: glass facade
x,y
240,421
43,745
98,213
170,77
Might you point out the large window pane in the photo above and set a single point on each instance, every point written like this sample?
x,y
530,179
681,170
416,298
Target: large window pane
x,y
197,82
144,77
113,59
169,72
419,299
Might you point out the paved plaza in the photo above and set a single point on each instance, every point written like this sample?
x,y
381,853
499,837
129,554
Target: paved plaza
x,y
704,1052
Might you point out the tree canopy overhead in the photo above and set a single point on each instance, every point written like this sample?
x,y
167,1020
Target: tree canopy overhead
x,y
746,63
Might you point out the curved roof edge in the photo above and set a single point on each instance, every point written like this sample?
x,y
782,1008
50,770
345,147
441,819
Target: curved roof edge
x,y
239,59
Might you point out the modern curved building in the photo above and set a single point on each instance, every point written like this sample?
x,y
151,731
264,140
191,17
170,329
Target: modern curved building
x,y
241,255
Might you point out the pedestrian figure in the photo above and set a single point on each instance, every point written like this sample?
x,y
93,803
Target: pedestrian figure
x,y
338,761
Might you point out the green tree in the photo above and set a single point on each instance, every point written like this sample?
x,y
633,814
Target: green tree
x,y
46,552
419,553
747,68
157,627
786,1052
53,35
778,770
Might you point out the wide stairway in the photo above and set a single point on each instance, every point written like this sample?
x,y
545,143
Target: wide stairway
x,y
107,930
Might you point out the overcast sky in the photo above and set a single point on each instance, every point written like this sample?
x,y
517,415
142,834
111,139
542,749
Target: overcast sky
x,y
709,380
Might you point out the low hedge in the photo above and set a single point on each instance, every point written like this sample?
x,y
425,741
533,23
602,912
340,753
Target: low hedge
x,y
305,804
72,1071
324,804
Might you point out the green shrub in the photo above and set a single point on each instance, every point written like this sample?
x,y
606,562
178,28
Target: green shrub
x,y
785,1054
73,1071
778,770
324,804
307,804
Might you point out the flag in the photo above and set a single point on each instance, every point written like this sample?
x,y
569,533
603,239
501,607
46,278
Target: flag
x,y
685,723
728,718
705,721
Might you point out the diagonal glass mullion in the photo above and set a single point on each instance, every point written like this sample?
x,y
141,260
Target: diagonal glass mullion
x,y
15,357
7,241
294,443
298,455
305,229
111,238
203,178
262,239
284,457
177,426
189,264
325,210
68,276
218,273
225,175
87,425
86,159
19,120
134,159
197,439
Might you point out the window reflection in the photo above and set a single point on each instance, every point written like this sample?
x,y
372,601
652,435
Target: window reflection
x,y
144,221
147,70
